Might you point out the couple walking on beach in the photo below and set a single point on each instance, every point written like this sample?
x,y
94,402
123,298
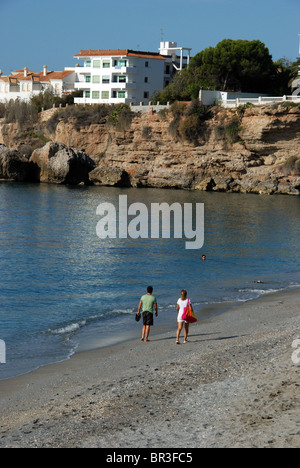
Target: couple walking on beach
x,y
148,303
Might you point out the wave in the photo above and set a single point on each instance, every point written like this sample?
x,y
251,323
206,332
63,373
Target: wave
x,y
254,293
70,328
260,291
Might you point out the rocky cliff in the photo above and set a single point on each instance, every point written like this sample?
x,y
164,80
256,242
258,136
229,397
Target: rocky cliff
x,y
263,156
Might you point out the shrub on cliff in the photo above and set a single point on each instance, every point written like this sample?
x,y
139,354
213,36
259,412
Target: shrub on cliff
x,y
20,112
189,121
120,116
2,110
47,100
291,166
82,116
232,130
229,132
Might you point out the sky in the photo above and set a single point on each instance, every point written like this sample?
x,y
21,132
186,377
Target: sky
x,y
36,33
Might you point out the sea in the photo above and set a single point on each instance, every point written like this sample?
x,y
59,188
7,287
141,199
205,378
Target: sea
x,y
65,290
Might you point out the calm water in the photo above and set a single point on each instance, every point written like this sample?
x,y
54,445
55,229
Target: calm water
x,y
62,288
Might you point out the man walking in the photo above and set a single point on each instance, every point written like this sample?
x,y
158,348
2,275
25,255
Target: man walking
x,y
148,302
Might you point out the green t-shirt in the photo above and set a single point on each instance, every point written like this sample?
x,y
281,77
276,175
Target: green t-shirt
x,y
148,303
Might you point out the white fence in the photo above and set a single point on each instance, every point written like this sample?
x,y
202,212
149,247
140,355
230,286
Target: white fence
x,y
260,101
228,99
149,108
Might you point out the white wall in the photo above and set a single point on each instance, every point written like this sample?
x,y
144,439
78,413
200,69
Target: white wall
x,y
141,80
209,98
155,75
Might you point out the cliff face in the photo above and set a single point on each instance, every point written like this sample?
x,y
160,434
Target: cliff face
x,y
264,160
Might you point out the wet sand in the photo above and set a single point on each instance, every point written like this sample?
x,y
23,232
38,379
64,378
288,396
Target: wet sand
x,y
233,385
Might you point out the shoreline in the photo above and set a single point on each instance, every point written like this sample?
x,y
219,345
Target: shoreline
x,y
94,342
233,385
81,186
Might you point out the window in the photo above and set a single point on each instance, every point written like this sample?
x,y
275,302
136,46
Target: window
x,y
121,94
146,79
122,79
146,64
146,95
96,63
95,94
105,79
96,79
88,63
106,64
105,95
123,63
88,79
87,94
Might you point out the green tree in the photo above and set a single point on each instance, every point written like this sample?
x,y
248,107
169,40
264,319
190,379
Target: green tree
x,y
233,65
284,77
294,71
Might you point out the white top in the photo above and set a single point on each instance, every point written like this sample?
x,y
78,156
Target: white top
x,y
182,304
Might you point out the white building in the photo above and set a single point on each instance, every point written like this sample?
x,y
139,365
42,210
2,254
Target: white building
x,y
104,76
171,49
126,76
23,84
296,82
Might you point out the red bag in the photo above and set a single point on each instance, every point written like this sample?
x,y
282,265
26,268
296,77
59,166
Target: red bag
x,y
188,314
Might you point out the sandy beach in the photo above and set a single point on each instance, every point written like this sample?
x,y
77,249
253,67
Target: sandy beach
x,y
233,385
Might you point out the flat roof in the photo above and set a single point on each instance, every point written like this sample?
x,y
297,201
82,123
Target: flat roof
x,y
120,53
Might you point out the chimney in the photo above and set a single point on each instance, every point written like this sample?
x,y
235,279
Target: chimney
x,y
25,71
45,70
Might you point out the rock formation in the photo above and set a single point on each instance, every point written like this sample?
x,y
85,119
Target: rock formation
x,y
60,164
16,167
263,159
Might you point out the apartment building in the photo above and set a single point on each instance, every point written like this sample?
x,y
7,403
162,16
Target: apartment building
x,y
104,76
126,76
23,84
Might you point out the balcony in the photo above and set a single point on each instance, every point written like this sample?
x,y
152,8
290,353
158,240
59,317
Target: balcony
x,y
82,85
121,69
123,86
116,100
83,70
130,85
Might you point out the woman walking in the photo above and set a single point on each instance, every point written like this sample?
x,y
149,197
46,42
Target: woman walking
x,y
181,305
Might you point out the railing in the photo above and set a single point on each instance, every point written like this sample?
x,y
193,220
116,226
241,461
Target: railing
x,y
148,108
259,101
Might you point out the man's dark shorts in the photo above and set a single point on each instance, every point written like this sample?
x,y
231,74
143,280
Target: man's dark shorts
x,y
147,318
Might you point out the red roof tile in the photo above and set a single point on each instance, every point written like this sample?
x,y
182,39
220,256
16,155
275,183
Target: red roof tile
x,y
31,76
119,52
